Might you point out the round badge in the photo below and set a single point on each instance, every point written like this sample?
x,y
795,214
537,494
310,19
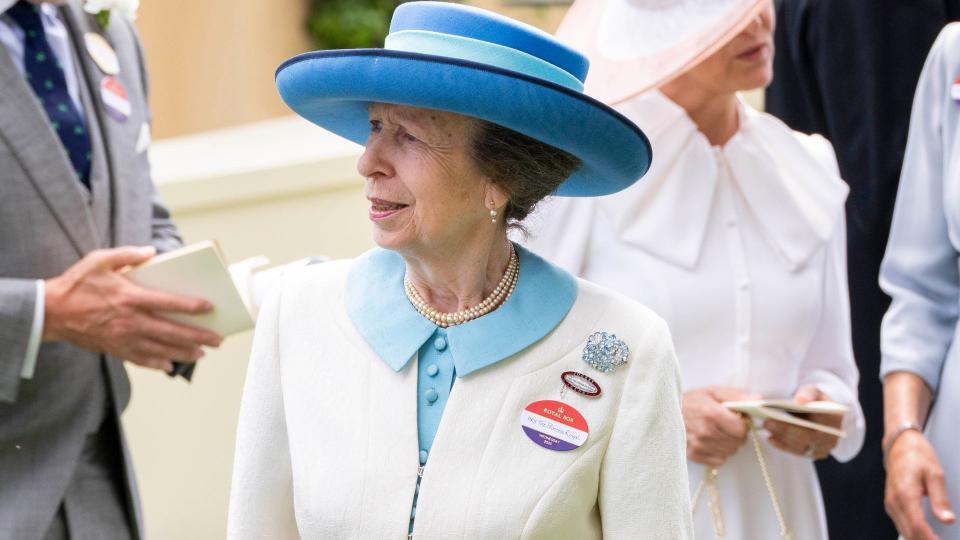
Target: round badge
x,y
115,99
554,425
580,383
102,53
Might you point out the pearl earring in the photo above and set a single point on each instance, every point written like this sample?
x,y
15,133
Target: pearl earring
x,y
493,216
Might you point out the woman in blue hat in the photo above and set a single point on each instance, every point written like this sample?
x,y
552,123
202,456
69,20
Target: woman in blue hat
x,y
449,383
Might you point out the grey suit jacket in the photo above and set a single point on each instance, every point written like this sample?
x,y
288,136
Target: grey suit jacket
x,y
48,221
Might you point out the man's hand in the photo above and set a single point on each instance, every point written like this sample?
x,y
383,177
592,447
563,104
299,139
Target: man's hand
x,y
802,441
94,307
714,433
914,472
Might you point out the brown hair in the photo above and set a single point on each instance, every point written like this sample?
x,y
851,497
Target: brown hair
x,y
525,168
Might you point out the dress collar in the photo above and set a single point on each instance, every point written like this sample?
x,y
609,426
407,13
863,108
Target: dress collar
x,y
789,181
381,312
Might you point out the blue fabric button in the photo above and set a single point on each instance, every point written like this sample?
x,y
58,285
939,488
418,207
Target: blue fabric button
x,y
431,395
432,370
440,343
423,460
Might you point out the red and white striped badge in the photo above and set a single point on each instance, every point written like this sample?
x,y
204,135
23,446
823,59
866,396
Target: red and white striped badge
x,y
115,99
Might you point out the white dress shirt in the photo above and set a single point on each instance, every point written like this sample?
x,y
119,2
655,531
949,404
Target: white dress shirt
x,y
742,250
12,37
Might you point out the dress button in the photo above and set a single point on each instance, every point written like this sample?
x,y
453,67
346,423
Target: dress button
x,y
431,395
423,457
432,370
440,343
731,223
744,285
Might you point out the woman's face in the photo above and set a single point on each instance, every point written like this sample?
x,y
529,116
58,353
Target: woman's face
x,y
425,192
746,63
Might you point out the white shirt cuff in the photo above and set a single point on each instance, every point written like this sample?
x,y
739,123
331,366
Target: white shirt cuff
x,y
36,333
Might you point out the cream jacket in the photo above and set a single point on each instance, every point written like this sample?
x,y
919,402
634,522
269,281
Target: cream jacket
x,y
327,442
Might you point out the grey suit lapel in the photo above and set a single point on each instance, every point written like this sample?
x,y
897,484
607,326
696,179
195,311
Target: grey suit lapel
x,y
79,23
26,129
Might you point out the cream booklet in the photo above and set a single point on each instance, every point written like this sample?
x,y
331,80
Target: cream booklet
x,y
198,270
787,411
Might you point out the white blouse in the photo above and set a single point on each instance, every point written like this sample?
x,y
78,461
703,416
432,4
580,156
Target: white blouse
x,y
742,250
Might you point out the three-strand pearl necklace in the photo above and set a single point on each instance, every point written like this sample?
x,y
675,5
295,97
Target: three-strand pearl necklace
x,y
499,295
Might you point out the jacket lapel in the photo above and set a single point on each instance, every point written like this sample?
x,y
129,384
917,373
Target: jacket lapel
x,y
26,129
80,23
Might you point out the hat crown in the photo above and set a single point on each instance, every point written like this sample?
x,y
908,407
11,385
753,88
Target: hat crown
x,y
485,26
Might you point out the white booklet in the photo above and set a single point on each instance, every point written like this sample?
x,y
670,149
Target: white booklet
x,y
785,410
198,270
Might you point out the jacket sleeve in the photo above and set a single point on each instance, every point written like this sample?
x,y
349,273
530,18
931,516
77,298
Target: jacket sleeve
x,y
919,269
829,364
165,236
261,497
644,490
17,305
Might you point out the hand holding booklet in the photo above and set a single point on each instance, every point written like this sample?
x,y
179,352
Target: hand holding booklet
x,y
198,270
790,412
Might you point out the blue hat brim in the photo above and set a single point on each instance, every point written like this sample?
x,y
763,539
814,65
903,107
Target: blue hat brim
x,y
334,88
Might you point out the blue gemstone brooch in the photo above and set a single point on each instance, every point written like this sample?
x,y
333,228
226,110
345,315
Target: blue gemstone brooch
x,y
605,352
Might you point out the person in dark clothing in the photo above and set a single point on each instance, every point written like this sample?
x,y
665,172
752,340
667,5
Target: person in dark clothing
x,y
847,69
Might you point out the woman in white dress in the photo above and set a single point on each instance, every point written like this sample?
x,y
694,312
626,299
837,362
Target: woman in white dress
x,y
736,237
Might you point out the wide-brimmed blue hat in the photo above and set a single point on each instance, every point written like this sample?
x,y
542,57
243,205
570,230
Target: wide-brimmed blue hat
x,y
477,63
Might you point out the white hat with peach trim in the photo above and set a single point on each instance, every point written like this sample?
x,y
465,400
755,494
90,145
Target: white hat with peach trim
x,y
637,45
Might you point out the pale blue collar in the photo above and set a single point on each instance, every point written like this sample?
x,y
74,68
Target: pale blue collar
x,y
382,314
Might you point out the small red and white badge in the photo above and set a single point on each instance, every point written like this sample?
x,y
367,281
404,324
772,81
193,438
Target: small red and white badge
x,y
554,425
955,90
115,99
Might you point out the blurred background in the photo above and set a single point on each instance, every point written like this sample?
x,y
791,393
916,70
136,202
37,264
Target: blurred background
x,y
235,166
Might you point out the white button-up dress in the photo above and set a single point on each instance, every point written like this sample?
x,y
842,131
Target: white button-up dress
x,y
920,269
742,250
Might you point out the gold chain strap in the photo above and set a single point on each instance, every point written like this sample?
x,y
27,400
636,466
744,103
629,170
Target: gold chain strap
x,y
709,482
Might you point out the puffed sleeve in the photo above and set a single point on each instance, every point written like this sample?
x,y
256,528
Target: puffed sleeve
x,y
261,498
829,364
644,490
919,269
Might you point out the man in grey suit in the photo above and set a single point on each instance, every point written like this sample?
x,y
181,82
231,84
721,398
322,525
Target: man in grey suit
x,y
75,183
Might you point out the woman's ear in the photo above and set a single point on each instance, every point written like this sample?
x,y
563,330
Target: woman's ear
x,y
495,197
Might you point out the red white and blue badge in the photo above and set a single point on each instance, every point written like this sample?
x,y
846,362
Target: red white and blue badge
x,y
955,90
554,425
115,99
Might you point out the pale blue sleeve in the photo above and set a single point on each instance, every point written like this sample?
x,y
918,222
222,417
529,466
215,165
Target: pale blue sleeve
x,y
36,333
919,269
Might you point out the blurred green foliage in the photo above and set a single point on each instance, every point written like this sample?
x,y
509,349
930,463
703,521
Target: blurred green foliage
x,y
350,24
